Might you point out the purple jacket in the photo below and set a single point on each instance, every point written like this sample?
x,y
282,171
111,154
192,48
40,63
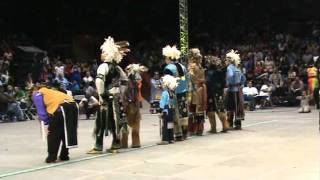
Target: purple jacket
x,y
41,107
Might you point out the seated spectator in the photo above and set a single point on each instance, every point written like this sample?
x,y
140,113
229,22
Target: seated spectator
x,y
88,78
269,65
90,104
13,107
292,73
264,94
276,84
75,74
19,93
64,83
59,69
249,95
68,68
276,79
258,70
304,105
296,87
75,87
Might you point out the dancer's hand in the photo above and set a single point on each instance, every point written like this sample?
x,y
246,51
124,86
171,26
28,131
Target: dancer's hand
x,y
100,100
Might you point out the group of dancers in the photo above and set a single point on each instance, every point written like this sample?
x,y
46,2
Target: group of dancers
x,y
190,90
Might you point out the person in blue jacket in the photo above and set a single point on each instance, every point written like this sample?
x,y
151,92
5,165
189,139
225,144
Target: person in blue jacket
x,y
235,79
176,69
167,109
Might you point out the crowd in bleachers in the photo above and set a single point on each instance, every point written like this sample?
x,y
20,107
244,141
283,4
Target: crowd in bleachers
x,y
275,63
279,61
63,74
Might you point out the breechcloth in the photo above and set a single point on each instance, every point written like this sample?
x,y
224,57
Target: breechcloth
x,y
62,128
216,103
181,117
235,108
168,124
196,120
107,121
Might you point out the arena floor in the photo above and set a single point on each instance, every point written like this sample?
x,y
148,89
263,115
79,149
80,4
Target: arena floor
x,y
275,144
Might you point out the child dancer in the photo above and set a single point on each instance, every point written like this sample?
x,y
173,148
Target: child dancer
x,y
167,109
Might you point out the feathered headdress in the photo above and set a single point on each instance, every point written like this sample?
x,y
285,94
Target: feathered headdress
x,y
171,52
195,54
114,51
233,56
135,68
170,82
214,60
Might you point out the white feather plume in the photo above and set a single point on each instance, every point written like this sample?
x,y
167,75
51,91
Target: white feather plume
x,y
234,56
195,52
171,52
136,68
170,82
111,51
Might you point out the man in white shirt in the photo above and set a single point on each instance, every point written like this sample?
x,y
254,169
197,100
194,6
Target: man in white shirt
x,y
59,69
264,95
88,78
249,93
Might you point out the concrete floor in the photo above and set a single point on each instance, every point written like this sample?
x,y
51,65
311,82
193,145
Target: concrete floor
x,y
275,144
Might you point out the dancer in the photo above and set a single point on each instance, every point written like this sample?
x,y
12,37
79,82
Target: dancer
x,y
60,112
216,82
312,78
176,69
197,92
167,108
234,95
111,82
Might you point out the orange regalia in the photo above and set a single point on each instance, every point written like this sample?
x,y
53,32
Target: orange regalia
x,y
197,93
60,112
312,79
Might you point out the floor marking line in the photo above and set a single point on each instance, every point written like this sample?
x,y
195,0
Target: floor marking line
x,y
263,122
69,162
29,170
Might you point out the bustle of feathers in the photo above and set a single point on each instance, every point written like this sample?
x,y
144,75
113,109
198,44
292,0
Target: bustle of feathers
x,y
214,60
136,68
113,51
233,56
170,82
171,52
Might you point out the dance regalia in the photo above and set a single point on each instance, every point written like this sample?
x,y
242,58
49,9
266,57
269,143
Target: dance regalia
x,y
111,82
234,96
198,99
181,119
167,108
312,79
60,112
216,81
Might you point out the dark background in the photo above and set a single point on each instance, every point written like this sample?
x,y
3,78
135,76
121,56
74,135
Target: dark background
x,y
77,28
